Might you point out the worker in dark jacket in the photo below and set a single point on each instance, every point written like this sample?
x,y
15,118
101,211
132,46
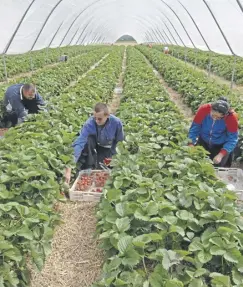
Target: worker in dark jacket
x,y
97,140
215,127
19,101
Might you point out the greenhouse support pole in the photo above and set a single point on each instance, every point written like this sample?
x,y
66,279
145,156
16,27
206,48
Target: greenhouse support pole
x,y
195,63
31,63
46,55
5,67
185,56
233,74
209,66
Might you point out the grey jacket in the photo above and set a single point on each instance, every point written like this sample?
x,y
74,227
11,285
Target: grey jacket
x,y
13,101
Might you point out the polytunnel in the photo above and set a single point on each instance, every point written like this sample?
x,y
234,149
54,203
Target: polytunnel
x,y
121,143
209,25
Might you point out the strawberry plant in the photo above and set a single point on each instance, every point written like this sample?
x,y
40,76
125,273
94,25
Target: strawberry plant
x,y
221,65
165,220
194,86
17,64
33,157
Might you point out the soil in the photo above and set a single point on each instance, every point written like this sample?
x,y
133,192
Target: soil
x,y
75,260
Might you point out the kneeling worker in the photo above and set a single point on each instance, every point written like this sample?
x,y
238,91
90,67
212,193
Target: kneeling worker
x,y
215,127
19,101
97,140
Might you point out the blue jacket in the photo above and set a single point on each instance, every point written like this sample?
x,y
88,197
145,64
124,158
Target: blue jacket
x,y
13,101
109,135
215,132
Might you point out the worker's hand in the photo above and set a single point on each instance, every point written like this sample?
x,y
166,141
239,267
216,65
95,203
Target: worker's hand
x,y
218,158
68,175
191,145
107,161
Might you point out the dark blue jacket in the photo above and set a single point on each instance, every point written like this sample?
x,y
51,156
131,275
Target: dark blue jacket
x,y
108,136
13,101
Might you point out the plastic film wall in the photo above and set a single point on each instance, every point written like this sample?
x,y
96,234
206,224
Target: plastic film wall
x,y
214,25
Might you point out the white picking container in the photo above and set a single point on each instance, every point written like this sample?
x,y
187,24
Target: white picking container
x,y
93,192
233,178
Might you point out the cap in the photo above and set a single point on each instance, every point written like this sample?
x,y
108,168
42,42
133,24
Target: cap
x,y
221,107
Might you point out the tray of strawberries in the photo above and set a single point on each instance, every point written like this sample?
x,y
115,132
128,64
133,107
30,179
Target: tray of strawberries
x,y
89,185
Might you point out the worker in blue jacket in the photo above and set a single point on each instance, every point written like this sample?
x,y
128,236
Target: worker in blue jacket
x,y
19,101
97,140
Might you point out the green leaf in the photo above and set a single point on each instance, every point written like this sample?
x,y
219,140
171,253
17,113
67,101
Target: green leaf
x,y
118,183
237,276
123,224
199,272
220,280
215,250
196,246
152,208
124,243
120,209
217,241
141,240
113,195
145,284
177,229
119,282
232,255
196,283
114,264
184,215
173,283
204,257
4,245
132,257
25,232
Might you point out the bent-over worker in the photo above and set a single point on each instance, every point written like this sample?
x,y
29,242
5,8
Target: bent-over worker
x,y
97,140
166,50
215,127
19,101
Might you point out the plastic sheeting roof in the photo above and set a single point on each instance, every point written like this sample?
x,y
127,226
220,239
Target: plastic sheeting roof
x,y
214,25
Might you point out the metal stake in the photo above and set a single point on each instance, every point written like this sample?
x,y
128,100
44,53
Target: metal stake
x,y
31,63
209,66
5,67
233,73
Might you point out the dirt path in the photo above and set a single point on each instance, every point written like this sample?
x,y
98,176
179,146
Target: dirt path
x,y
116,100
174,96
75,260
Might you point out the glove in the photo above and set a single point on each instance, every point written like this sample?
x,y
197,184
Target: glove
x,y
67,175
107,161
218,158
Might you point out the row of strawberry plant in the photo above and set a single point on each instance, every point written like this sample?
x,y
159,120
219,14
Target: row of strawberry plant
x,y
33,158
52,80
164,219
221,65
17,64
194,86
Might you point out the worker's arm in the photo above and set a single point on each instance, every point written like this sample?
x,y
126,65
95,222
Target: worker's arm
x,y
40,102
119,137
195,128
80,142
78,146
232,134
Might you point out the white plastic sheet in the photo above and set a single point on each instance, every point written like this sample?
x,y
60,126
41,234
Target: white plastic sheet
x,y
57,23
